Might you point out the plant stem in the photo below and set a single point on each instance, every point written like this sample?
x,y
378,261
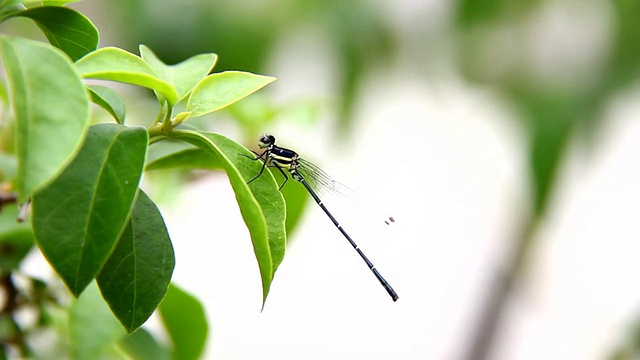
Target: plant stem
x,y
492,313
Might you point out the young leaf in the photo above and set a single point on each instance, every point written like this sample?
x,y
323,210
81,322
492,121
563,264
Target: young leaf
x,y
50,122
92,327
115,64
183,76
78,218
108,100
258,203
136,276
221,89
186,159
65,28
184,318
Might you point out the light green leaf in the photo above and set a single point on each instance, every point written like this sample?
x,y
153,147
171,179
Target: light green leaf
x,y
108,100
16,239
50,123
78,218
141,345
115,64
261,204
8,166
136,276
183,76
7,3
184,318
187,159
92,327
45,2
264,189
221,89
65,28
53,2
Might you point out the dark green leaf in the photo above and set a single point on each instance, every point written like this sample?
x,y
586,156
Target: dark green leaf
x,y
183,76
552,117
78,218
184,318
50,123
136,276
108,100
66,29
187,159
115,64
550,137
141,345
16,239
221,89
261,204
92,328
475,12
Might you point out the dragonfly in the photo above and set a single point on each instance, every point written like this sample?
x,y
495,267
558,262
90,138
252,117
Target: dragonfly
x,y
287,159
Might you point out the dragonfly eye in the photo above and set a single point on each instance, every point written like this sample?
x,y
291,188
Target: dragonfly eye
x,y
266,141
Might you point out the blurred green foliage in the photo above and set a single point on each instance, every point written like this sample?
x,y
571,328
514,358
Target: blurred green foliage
x,y
362,36
553,110
495,47
244,34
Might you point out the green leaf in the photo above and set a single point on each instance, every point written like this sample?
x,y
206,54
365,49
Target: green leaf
x,y
53,2
261,204
296,198
92,327
221,89
136,276
183,76
8,166
552,117
187,159
115,64
78,218
7,3
184,318
141,345
108,100
46,2
16,239
50,123
264,189
65,28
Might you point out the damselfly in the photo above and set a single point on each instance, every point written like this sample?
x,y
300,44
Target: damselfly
x,y
285,159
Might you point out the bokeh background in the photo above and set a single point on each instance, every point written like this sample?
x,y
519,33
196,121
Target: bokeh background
x,y
502,136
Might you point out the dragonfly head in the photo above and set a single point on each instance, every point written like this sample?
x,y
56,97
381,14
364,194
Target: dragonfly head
x,y
266,141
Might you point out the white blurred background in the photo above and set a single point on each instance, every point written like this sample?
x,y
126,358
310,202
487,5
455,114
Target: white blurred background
x,y
446,152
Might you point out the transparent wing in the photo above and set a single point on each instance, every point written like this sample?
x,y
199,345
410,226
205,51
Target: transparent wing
x,y
321,182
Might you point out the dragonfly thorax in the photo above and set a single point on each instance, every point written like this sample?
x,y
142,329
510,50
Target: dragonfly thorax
x,y
285,158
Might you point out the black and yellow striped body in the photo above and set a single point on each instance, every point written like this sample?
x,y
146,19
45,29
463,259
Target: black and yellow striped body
x,y
285,158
